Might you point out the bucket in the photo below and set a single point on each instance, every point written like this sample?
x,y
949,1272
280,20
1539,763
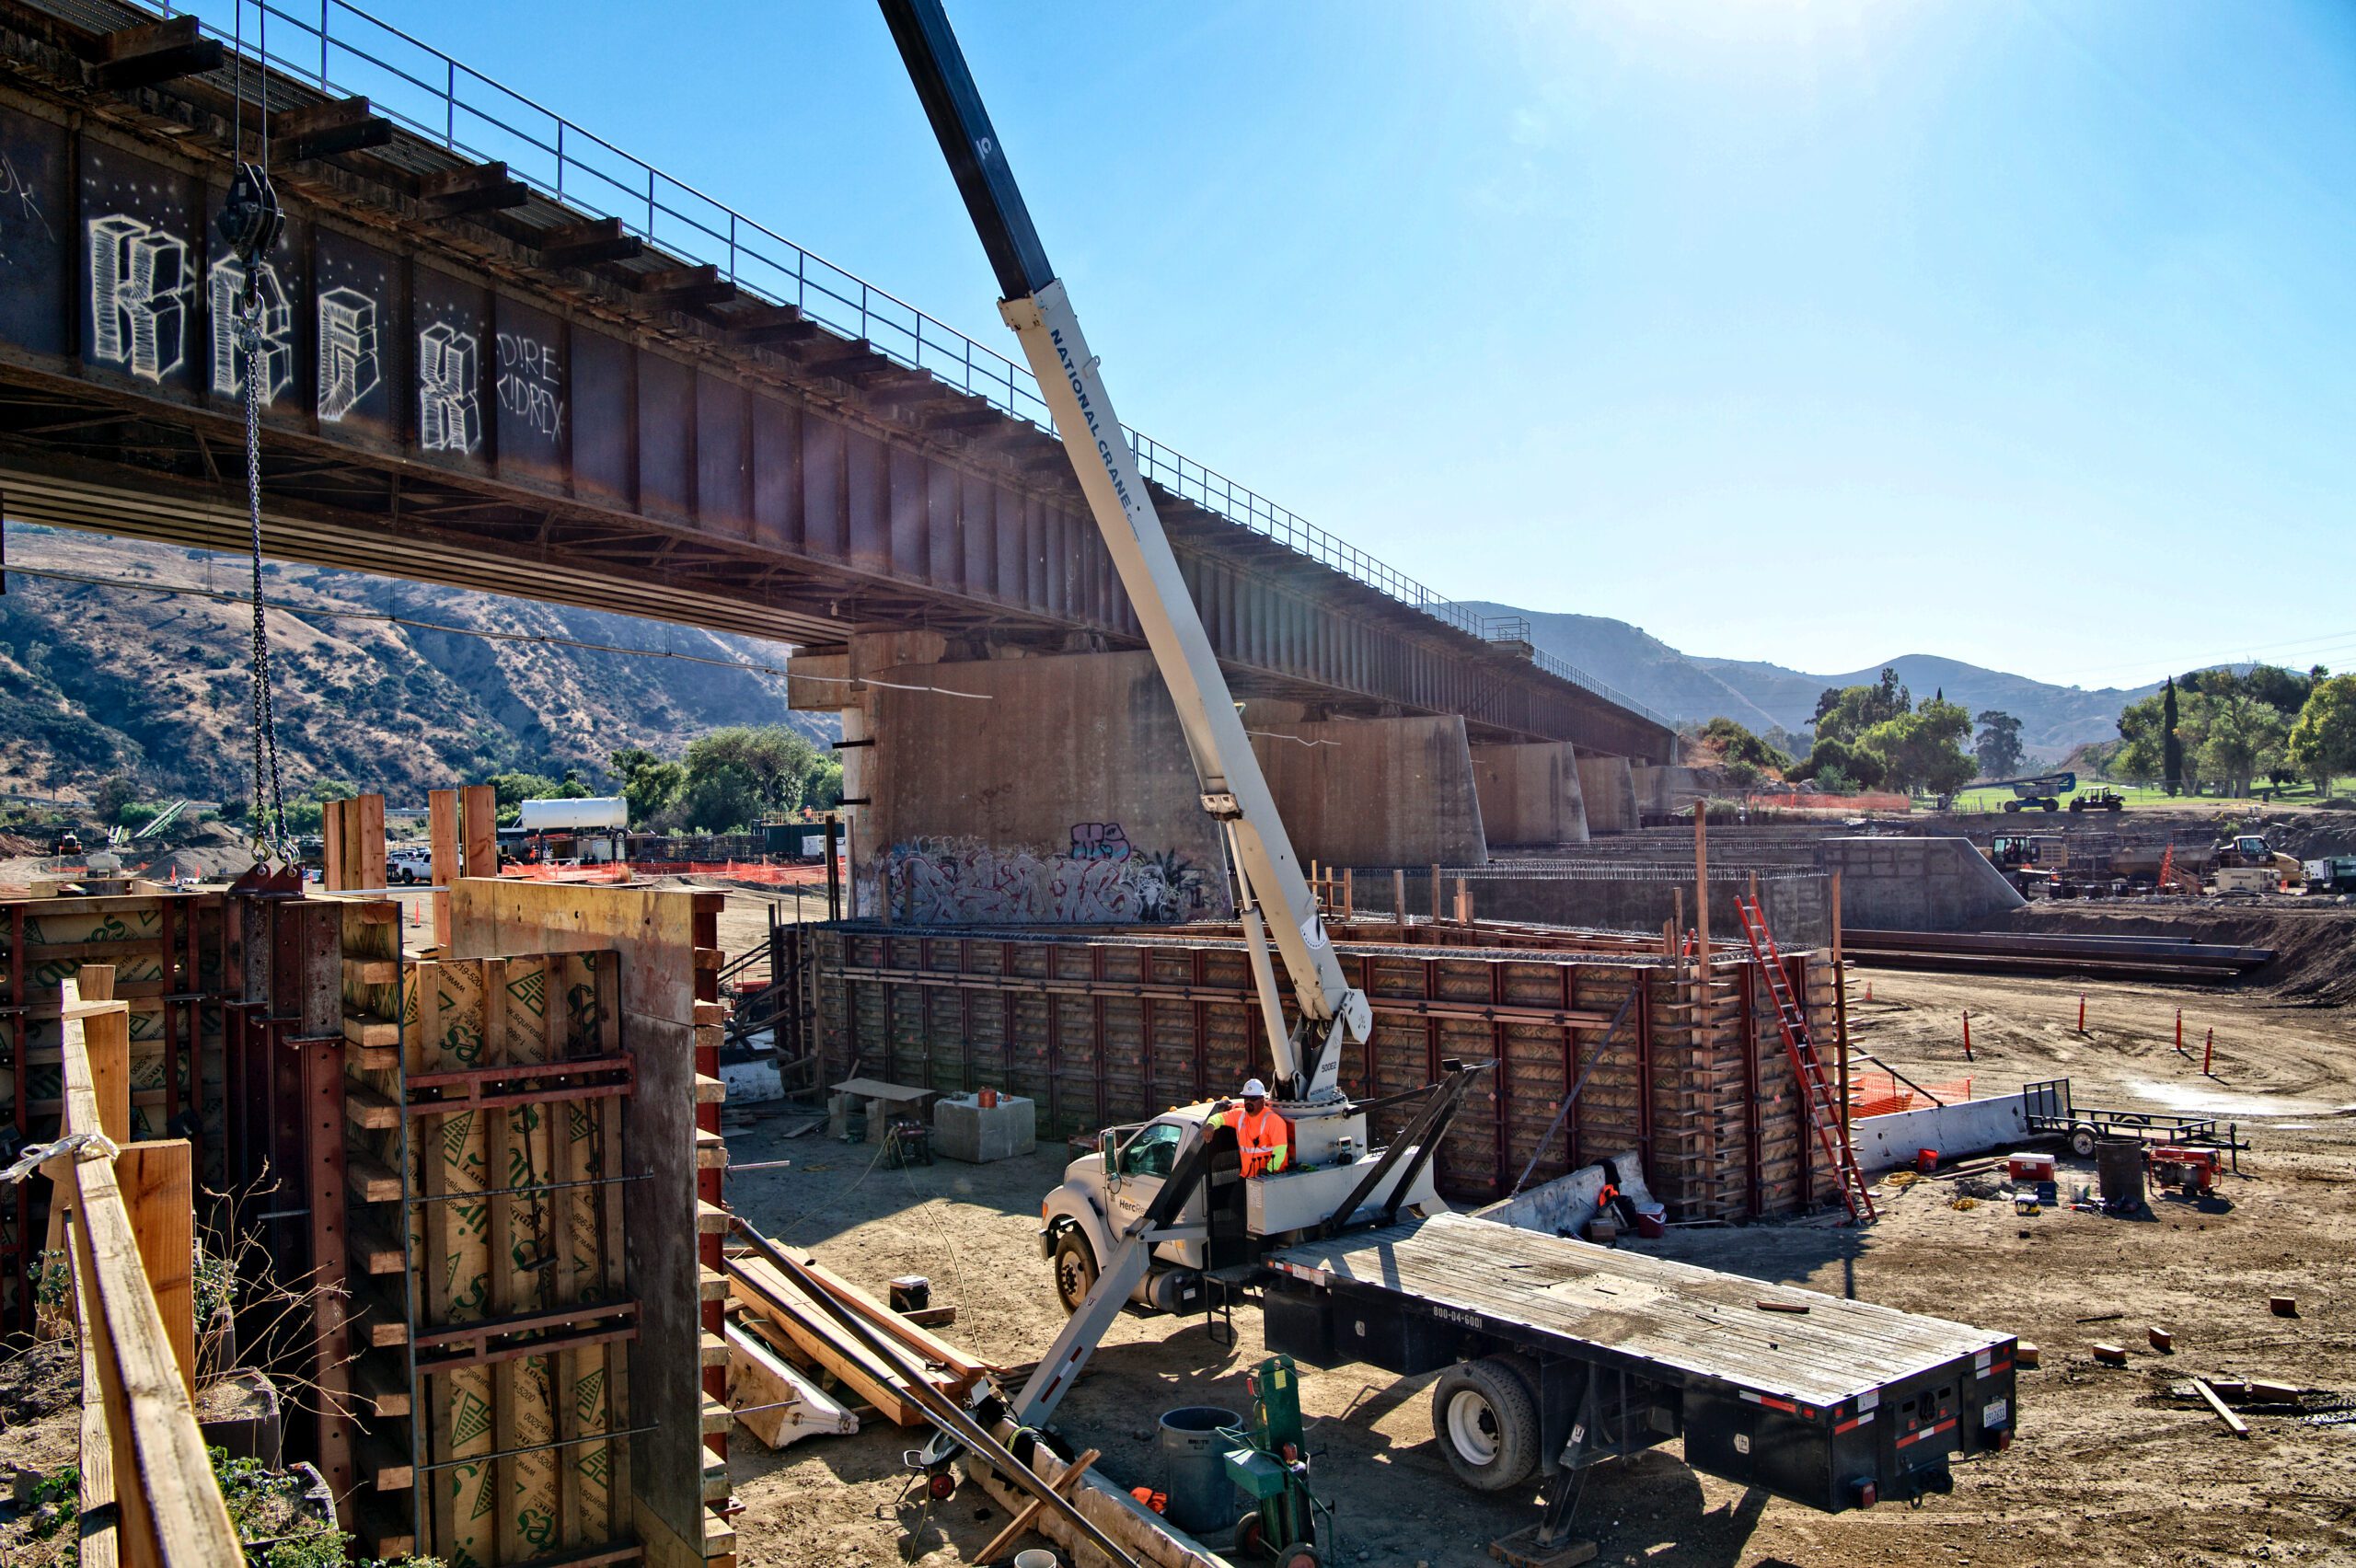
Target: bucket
x,y
986,1100
1650,1225
1035,1557
1193,1467
1926,1160
2118,1171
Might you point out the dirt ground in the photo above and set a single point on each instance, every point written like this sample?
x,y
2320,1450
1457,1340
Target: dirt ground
x,y
2108,1468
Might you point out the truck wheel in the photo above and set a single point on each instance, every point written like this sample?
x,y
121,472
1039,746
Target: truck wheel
x,y
1487,1423
1075,1269
2082,1143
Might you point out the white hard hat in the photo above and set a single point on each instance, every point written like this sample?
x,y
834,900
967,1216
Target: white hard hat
x,y
1254,1089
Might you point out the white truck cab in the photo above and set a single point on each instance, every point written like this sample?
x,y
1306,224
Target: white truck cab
x,y
1104,1193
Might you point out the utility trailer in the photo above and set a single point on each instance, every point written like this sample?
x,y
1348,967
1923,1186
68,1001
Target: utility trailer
x,y
2054,1113
1556,1353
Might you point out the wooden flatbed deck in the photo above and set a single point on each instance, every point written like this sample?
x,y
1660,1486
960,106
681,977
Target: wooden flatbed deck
x,y
1681,1323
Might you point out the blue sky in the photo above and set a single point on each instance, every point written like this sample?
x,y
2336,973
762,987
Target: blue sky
x,y
1789,329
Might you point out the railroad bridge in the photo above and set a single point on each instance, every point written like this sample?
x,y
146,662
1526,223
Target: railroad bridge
x,y
557,374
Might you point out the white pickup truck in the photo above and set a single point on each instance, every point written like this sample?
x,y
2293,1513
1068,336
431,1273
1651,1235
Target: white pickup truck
x,y
1231,1219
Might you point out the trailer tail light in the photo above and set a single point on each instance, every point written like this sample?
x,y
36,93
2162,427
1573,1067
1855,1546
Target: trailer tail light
x,y
1867,1494
2004,1439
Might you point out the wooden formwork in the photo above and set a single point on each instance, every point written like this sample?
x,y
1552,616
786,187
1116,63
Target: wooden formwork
x,y
1105,1027
166,950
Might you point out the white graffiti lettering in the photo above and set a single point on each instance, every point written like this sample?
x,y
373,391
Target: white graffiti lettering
x,y
449,414
349,365
140,288
226,296
531,383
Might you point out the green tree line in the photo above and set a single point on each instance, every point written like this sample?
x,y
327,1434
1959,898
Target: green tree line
x,y
2221,730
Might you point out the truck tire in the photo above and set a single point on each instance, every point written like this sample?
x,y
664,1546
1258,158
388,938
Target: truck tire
x,y
1075,1266
2082,1142
1487,1423
2053,806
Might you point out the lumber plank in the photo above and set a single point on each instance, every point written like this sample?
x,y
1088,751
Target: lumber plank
x,y
2233,1423
929,1347
441,833
364,1107
377,1251
710,1090
159,1185
776,1403
367,1029
778,1301
711,1151
1019,1525
370,1180
372,971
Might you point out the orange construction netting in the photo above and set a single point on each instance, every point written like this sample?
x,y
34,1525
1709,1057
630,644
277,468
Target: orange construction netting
x,y
1881,1094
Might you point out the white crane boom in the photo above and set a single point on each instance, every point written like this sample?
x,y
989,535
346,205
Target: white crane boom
x,y
1233,789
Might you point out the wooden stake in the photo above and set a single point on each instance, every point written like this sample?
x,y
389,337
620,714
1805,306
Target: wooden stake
x,y
368,824
479,831
442,827
1399,898
1434,892
330,845
107,1037
158,1184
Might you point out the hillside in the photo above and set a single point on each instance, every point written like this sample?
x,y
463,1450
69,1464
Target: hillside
x,y
2053,718
96,680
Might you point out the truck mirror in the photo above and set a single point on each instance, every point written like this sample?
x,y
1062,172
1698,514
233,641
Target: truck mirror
x,y
1105,1146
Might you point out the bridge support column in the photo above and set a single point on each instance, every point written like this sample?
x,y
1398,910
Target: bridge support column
x,y
1372,791
1530,793
1031,790
1607,787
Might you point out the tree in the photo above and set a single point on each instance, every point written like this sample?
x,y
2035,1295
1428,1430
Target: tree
x,y
2171,744
720,801
1999,747
115,794
1921,750
1850,711
2233,737
771,763
1732,744
2322,743
651,786
512,790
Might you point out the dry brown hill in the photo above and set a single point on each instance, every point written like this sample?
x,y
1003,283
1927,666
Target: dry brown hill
x,y
102,680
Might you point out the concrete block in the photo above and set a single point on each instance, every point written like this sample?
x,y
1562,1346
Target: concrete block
x,y
963,1128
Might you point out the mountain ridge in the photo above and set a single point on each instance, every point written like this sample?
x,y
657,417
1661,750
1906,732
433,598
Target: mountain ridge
x,y
1759,694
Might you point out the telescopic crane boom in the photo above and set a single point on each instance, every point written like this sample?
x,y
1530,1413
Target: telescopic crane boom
x,y
1234,789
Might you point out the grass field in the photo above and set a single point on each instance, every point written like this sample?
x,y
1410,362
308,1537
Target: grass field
x,y
2297,794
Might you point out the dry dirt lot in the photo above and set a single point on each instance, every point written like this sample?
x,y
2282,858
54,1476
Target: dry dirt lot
x,y
2108,1468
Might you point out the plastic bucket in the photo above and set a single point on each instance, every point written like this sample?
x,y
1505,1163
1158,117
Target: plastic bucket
x,y
1926,1160
1193,1467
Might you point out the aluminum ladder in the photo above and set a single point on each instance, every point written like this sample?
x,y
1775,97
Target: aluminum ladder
x,y
1823,1107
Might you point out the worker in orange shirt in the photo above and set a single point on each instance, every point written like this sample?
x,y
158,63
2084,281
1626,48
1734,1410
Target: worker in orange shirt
x,y
1263,1136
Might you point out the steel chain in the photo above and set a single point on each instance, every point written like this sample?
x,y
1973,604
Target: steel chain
x,y
268,840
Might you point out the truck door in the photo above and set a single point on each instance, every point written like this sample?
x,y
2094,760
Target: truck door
x,y
1139,1168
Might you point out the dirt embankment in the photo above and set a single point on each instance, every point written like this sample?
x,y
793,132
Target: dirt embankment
x,y
2315,945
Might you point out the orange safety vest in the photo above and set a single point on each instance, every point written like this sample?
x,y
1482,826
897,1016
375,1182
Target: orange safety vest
x,y
1266,1139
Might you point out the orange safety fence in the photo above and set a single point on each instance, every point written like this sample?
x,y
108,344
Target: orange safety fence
x,y
627,871
1882,1094
1847,805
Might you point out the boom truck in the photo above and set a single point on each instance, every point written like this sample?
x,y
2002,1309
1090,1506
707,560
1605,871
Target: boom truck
x,y
1555,1353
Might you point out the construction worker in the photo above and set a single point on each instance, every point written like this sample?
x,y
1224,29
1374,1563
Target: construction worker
x,y
1263,1136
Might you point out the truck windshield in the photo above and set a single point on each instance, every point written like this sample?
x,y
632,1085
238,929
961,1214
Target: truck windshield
x,y
1153,1152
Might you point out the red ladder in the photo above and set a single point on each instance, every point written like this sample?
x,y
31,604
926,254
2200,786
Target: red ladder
x,y
1823,1107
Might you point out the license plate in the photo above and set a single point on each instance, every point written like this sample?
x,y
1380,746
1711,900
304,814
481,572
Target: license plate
x,y
1994,1413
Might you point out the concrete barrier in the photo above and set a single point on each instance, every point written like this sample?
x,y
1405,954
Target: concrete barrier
x,y
1892,884
1966,1127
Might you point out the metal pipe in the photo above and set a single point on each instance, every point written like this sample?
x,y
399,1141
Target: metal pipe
x,y
943,1412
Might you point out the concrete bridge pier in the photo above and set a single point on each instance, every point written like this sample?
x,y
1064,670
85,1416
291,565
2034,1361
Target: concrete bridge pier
x,y
1529,794
1608,787
1379,791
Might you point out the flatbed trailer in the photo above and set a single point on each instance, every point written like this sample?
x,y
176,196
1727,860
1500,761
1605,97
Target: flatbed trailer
x,y
1829,1403
2053,1112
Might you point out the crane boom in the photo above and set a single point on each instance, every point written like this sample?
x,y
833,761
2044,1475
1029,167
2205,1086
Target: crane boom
x,y
1036,306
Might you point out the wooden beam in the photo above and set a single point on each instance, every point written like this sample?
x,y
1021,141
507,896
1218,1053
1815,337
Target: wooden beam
x,y
476,188
370,871
771,327
1019,1525
158,1181
2233,1423
323,129
442,827
107,1052
153,52
479,831
583,245
686,287
331,846
172,1511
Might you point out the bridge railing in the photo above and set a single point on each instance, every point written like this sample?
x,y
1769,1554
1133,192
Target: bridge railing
x,y
345,51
